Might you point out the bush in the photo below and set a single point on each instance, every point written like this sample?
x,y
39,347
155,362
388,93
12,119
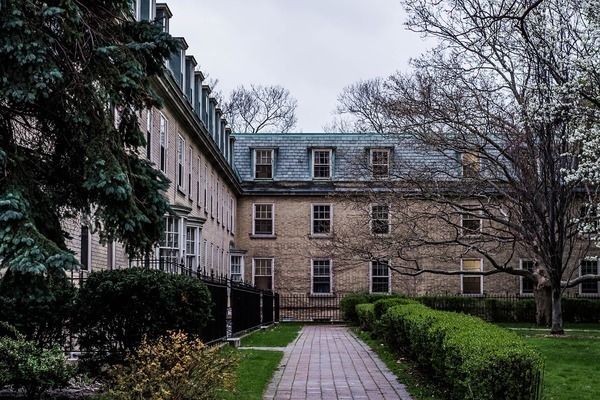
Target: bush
x,y
174,367
382,305
38,305
116,309
581,310
350,301
474,359
26,366
366,316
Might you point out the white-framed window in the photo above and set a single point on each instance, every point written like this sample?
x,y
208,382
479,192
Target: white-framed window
x,y
321,163
380,163
85,254
263,219
180,163
211,260
198,180
232,215
217,192
380,277
205,194
205,256
236,268
380,219
471,284
191,248
263,163
262,273
471,165
470,224
164,142
526,284
588,267
189,172
149,134
321,276
212,193
321,218
169,245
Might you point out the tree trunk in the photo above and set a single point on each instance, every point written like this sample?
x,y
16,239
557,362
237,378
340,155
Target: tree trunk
x,y
543,305
557,320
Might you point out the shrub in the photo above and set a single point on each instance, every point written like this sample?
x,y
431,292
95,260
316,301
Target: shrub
x,y
174,367
116,309
366,316
350,301
38,305
581,310
382,305
474,359
24,365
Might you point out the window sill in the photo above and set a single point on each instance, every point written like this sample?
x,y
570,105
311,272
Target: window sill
x,y
319,236
267,237
321,295
525,294
263,179
321,179
181,191
473,294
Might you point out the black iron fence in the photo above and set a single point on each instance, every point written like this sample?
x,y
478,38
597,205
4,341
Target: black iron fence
x,y
304,307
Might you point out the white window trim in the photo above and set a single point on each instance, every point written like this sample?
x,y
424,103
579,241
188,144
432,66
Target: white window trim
x,y
479,276
371,220
373,165
312,272
597,283
182,178
196,254
189,177
166,143
330,151
462,164
371,278
522,278
272,164
254,219
312,220
242,265
272,270
462,226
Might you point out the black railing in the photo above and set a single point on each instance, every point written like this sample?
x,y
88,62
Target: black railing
x,y
268,308
303,307
245,309
216,329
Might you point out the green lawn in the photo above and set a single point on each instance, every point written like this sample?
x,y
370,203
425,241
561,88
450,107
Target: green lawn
x,y
279,335
253,374
571,362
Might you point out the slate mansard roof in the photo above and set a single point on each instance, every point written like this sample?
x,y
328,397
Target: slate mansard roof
x,y
292,169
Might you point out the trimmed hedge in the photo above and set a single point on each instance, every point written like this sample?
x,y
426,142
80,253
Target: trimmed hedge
x,y
474,359
366,316
349,302
382,305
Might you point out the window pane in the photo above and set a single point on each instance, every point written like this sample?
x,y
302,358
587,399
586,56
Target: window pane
x,y
527,284
321,219
263,164
380,220
589,267
471,284
380,273
321,276
471,225
471,265
321,164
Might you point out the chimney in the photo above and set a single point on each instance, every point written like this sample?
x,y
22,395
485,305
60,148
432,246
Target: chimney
x,y
163,15
190,67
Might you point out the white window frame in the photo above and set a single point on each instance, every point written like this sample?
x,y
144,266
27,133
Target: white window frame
x,y
205,256
312,277
470,218
189,172
272,270
312,219
370,266
387,174
149,134
175,248
205,199
272,219
163,142
522,278
462,260
180,163
371,219
198,180
463,164
196,246
272,153
314,151
242,271
597,293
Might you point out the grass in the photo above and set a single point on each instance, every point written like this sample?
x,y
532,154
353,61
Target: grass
x,y
253,374
570,361
279,335
417,384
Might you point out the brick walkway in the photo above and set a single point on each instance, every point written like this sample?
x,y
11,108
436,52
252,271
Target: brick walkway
x,y
329,362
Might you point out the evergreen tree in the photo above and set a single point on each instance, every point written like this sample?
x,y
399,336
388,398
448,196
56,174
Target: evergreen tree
x,y
65,152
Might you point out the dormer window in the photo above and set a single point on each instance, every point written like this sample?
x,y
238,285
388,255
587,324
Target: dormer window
x,y
471,165
380,163
322,164
263,164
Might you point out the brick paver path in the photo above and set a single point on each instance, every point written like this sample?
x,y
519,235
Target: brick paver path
x,y
329,362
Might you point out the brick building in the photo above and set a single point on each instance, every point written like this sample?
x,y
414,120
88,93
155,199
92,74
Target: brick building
x,y
262,207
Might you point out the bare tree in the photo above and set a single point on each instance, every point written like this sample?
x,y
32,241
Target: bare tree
x,y
497,119
261,109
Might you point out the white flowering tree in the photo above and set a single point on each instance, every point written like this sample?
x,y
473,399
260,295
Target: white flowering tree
x,y
511,93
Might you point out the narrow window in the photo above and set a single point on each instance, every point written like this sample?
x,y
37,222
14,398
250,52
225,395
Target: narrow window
x,y
236,268
189,172
321,219
263,219
85,247
380,163
263,164
168,252
180,162
163,143
218,190
149,134
205,256
212,192
205,194
321,276
472,284
380,277
471,165
380,219
198,180
321,164
263,273
471,224
589,267
526,283
191,248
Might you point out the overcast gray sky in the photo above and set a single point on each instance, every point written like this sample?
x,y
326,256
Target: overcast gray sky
x,y
312,47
